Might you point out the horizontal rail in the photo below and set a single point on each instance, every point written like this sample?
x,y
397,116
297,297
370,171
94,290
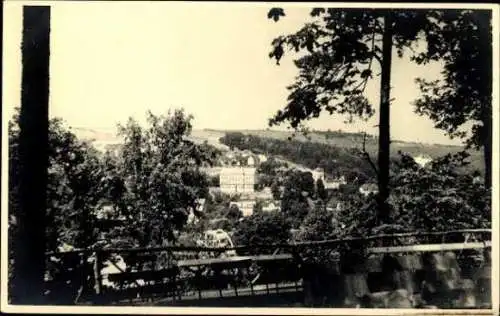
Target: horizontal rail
x,y
430,247
288,245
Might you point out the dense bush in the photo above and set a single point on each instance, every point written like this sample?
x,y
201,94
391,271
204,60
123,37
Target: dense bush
x,y
439,197
262,229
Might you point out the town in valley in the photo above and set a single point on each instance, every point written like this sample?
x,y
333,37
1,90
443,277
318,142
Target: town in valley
x,y
236,156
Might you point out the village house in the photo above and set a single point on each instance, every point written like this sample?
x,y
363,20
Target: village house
x,y
422,160
335,183
271,207
368,188
318,174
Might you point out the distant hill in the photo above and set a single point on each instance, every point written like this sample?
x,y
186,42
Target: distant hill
x,y
339,139
94,134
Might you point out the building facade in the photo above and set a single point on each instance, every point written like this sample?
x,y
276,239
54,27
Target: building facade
x,y
237,179
422,160
318,174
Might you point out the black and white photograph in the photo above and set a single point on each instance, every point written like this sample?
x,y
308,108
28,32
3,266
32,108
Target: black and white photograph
x,y
279,156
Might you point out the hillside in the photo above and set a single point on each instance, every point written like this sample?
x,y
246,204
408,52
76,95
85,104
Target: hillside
x,y
348,142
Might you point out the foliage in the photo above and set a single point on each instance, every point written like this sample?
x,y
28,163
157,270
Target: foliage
x,y
319,224
340,154
299,184
295,210
462,40
439,197
275,190
269,167
341,44
435,198
266,228
74,189
358,214
257,207
298,190
214,181
219,213
235,140
339,47
462,98
162,174
234,213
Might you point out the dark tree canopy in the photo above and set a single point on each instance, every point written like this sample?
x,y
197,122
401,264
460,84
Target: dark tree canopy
x,y
75,186
161,171
462,40
460,103
266,228
439,197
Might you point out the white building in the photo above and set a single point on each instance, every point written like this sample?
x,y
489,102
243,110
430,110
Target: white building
x,y
422,160
317,174
237,179
271,207
262,158
368,188
335,184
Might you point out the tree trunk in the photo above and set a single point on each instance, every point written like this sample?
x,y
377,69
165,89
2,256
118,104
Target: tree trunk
x,y
29,249
384,122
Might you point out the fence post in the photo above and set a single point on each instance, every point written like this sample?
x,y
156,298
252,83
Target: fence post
x,y
97,273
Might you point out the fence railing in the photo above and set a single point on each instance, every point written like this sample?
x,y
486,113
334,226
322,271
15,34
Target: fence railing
x,y
177,273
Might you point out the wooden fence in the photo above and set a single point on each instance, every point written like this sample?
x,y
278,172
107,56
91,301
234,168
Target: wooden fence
x,y
175,274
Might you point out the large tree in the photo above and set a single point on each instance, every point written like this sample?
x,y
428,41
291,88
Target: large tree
x,y
340,46
262,229
161,171
338,49
298,191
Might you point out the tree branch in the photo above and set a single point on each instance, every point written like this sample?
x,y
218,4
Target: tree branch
x,y
371,60
366,155
374,55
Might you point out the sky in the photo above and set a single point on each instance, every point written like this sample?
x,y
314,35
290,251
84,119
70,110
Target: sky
x,y
111,61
